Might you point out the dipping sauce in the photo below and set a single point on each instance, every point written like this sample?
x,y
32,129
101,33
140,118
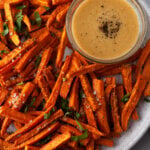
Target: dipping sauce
x,y
105,29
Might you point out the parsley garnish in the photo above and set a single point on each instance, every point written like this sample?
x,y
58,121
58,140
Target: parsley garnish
x,y
4,52
30,105
37,61
5,29
21,83
19,18
46,116
47,8
21,7
81,137
147,99
126,98
38,19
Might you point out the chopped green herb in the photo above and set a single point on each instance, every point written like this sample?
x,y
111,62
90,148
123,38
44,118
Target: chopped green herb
x,y
21,7
81,137
147,99
4,52
126,98
30,105
80,126
44,141
64,79
38,19
77,115
46,116
5,29
37,61
19,18
47,8
21,83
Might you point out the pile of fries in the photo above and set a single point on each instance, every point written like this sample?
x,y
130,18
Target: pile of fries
x,y
54,104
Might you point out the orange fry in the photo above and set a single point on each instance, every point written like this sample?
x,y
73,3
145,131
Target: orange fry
x,y
143,58
56,89
101,113
40,2
48,130
12,33
114,112
74,99
55,31
57,141
3,95
15,115
44,61
3,49
61,48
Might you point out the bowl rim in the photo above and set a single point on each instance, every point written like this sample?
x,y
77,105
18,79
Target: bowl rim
x,y
143,27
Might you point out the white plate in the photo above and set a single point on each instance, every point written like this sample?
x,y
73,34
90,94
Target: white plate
x,y
136,128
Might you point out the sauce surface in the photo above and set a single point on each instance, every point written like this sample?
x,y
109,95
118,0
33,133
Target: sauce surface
x,y
105,29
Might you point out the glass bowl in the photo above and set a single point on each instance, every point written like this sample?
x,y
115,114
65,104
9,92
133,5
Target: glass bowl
x,y
142,33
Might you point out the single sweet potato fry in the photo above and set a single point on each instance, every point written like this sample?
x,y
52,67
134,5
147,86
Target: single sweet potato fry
x,y
142,59
56,89
90,116
48,130
105,142
120,95
15,115
74,98
127,81
44,61
134,99
61,48
39,128
12,33
57,141
101,113
114,112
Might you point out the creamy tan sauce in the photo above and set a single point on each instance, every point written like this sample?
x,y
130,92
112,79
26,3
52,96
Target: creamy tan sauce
x,y
105,29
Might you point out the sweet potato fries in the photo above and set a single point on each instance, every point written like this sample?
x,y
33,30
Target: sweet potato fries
x,y
57,103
